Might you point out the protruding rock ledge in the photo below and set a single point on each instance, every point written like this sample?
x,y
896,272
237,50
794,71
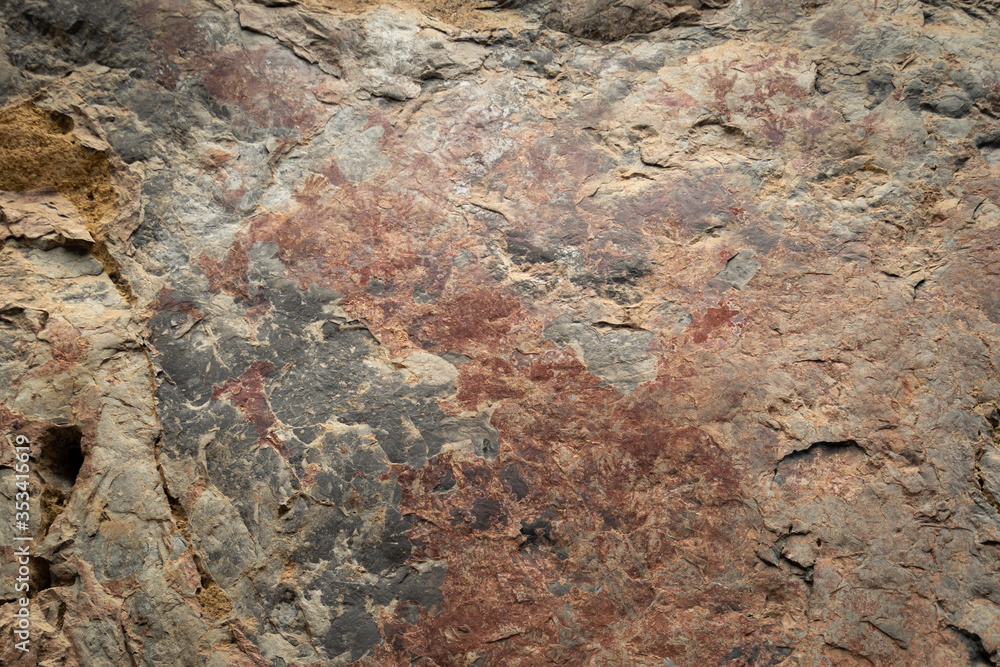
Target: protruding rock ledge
x,y
42,219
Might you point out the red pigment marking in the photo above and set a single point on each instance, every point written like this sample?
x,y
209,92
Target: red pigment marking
x,y
703,327
722,85
312,190
229,275
774,130
165,301
342,238
669,98
9,421
783,83
760,65
194,492
488,381
253,81
255,313
479,316
247,394
590,486
67,347
179,40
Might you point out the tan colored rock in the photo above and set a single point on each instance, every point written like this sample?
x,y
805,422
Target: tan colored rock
x,y
42,219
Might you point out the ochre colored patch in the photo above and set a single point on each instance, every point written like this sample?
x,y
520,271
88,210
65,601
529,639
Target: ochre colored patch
x,y
213,601
37,148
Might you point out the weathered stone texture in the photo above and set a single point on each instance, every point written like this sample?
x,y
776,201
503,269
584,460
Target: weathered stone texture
x,y
351,332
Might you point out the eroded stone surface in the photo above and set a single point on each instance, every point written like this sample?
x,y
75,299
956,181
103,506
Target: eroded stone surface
x,y
42,218
592,333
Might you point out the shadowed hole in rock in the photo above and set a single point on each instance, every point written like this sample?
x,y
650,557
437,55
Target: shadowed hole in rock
x,y
60,459
989,144
819,451
41,577
61,454
64,124
823,449
44,576
978,655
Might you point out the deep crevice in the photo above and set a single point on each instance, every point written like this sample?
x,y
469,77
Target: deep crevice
x,y
993,417
978,655
988,140
212,598
60,458
818,449
981,481
61,453
113,270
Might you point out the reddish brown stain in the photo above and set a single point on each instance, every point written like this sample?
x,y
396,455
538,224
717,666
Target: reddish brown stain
x,y
247,394
488,381
584,531
230,274
459,323
67,346
255,313
706,325
253,79
166,301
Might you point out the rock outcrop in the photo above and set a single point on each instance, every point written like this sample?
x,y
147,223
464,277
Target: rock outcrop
x,y
432,332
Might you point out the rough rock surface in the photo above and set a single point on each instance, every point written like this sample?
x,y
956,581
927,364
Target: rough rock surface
x,y
364,332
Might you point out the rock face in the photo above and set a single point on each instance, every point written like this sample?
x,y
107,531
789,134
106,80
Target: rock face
x,y
364,332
